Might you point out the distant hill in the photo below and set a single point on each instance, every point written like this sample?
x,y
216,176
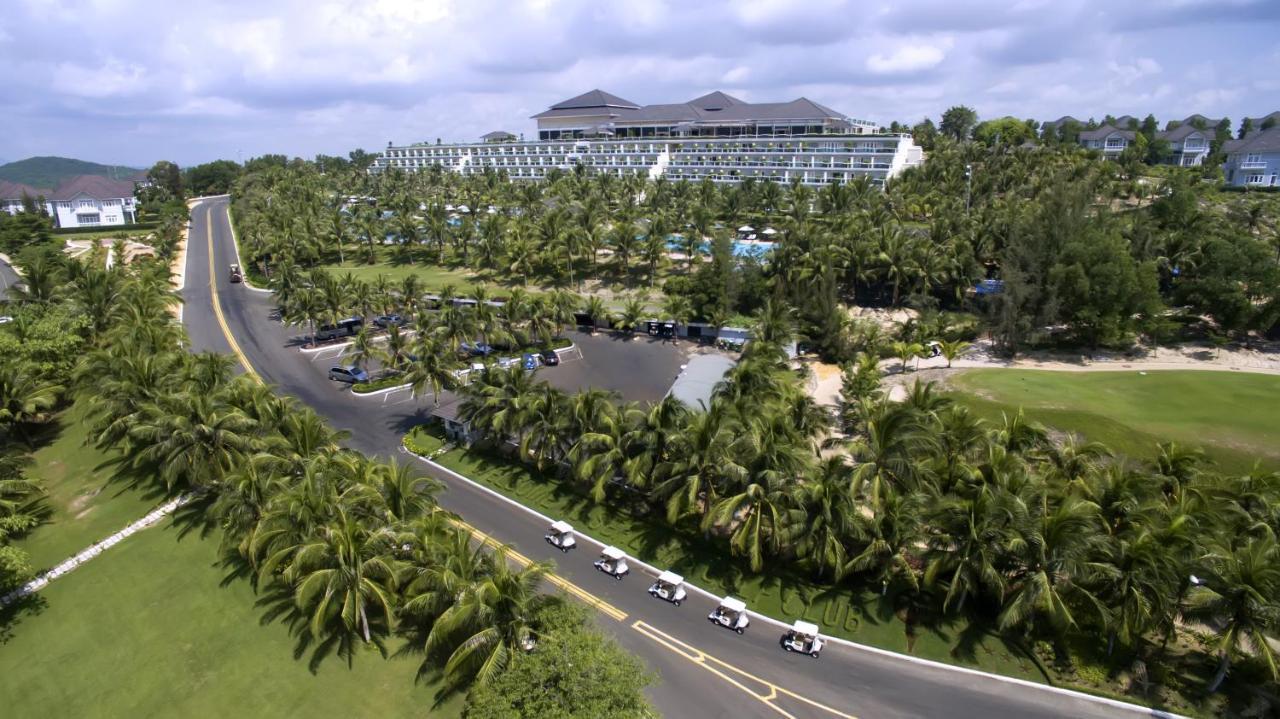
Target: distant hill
x,y
47,172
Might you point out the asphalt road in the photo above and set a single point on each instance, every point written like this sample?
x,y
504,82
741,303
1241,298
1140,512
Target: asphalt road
x,y
704,671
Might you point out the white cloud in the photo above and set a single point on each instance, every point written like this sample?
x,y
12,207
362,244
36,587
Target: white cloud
x,y
110,79
905,59
1129,73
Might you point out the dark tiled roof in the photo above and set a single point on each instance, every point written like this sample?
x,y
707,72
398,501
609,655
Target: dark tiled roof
x,y
1105,131
712,107
1182,132
1257,121
95,186
15,191
497,135
1258,141
594,98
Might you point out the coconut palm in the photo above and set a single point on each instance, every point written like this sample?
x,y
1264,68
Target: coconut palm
x,y
595,308
490,620
434,366
344,579
1240,596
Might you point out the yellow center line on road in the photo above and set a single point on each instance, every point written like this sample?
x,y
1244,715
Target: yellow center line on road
x,y
734,675
560,582
217,305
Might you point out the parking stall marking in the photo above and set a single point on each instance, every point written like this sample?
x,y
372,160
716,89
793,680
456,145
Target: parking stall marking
x,y
733,675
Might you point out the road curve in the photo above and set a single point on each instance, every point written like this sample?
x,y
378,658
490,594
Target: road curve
x,y
705,671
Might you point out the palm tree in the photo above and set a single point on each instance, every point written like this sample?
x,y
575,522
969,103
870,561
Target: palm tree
x,y
434,367
1239,596
628,320
489,621
344,578
24,398
191,439
952,349
889,533
595,308
702,459
905,351
362,349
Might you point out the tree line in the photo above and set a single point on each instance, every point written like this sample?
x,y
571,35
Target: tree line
x,y
1104,559
352,552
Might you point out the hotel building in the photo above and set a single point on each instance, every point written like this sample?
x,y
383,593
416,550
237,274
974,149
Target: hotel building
x,y
716,137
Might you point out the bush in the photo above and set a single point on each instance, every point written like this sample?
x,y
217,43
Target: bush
x,y
423,441
106,228
391,380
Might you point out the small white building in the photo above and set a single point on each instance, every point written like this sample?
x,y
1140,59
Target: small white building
x,y
93,201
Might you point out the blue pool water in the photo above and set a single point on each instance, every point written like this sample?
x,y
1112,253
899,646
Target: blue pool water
x,y
740,248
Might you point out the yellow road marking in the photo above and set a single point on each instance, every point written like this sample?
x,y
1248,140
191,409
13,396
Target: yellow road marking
x,y
587,597
732,674
217,304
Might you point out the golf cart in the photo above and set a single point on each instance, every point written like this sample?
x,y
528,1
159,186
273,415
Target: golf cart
x,y
613,561
731,613
669,587
803,637
236,274
561,536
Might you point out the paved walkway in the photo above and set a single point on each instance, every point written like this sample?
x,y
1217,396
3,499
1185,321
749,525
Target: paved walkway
x,y
42,581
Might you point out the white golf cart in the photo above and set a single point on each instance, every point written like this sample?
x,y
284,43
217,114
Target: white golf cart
x,y
803,637
731,613
613,561
561,536
669,587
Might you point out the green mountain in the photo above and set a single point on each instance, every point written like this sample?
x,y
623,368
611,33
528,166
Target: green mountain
x,y
47,172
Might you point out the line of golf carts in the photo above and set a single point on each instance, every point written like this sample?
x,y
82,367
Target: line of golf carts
x,y
731,613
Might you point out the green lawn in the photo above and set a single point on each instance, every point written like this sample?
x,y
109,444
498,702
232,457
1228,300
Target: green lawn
x,y
152,629
101,234
85,503
859,616
156,626
431,277
1234,417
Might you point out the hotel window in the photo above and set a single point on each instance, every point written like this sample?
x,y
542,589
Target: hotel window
x,y
1253,159
92,219
1254,180
86,204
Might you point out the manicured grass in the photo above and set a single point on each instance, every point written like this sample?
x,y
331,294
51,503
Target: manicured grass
x,y
107,234
86,500
154,627
843,611
1234,417
431,277
157,626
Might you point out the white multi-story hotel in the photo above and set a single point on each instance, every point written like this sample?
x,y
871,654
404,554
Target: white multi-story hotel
x,y
716,137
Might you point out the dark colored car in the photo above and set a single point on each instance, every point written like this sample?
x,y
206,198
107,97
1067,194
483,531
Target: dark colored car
x,y
479,349
385,321
550,358
348,374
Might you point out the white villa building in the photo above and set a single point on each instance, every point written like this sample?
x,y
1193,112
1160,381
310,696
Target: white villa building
x,y
716,137
93,201
82,201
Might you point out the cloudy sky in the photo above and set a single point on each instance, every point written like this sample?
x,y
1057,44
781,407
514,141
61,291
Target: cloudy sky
x,y
132,81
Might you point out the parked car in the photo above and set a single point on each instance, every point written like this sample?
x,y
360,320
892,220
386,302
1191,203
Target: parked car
x,y
550,358
508,362
343,328
479,349
349,374
385,321
529,362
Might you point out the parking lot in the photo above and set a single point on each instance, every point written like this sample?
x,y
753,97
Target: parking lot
x,y
640,369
